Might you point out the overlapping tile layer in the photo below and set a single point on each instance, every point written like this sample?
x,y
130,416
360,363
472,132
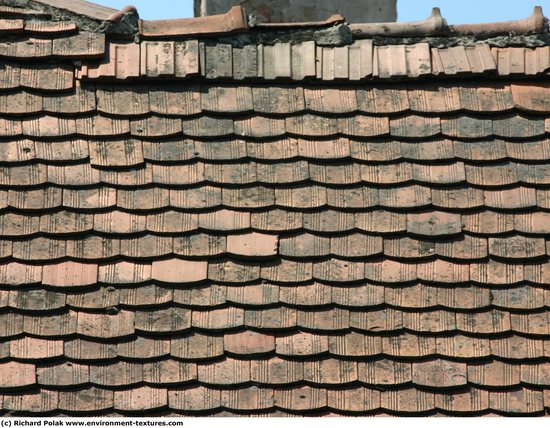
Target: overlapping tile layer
x,y
211,248
307,60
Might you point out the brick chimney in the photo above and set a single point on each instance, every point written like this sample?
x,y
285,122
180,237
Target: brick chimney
x,y
355,11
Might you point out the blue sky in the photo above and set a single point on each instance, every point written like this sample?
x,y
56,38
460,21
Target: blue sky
x,y
455,11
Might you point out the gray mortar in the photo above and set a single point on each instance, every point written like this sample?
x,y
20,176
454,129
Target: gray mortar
x,y
128,26
339,35
501,41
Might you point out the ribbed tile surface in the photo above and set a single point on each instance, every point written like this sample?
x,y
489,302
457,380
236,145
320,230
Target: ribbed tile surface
x,y
267,249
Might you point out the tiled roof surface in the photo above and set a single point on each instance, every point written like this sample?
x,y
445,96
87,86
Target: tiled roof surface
x,y
184,235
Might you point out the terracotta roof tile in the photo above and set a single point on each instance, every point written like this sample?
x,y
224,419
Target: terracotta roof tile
x,y
83,199
48,79
150,295
8,26
21,102
172,222
530,97
408,401
463,59
276,371
249,343
474,400
516,347
517,247
200,245
169,372
173,271
121,61
226,372
34,199
530,297
43,401
36,300
162,321
330,372
84,350
354,400
270,319
83,45
218,319
16,375
197,346
385,372
415,127
249,399
106,326
439,98
28,348
302,344
195,399
304,398
173,175
252,245
231,272
463,347
436,223
439,373
261,294
402,61
46,27
523,401
520,60
70,274
178,59
495,374
140,399
30,48
143,348
119,374
53,326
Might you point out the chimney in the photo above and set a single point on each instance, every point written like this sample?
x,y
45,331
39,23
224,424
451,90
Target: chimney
x,y
355,11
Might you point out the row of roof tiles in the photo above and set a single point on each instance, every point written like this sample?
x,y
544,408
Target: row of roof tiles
x,y
134,152
194,99
286,61
299,235
305,125
300,399
84,45
120,289
254,173
297,198
69,275
177,320
292,245
382,372
306,246
342,343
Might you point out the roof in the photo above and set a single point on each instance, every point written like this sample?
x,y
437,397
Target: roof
x,y
205,217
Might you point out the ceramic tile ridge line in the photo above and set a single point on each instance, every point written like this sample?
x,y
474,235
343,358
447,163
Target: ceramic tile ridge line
x,y
235,20
436,25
